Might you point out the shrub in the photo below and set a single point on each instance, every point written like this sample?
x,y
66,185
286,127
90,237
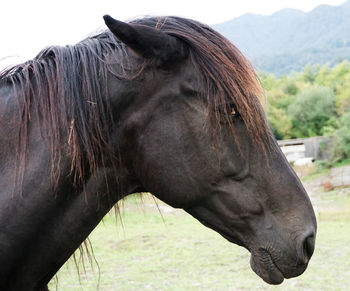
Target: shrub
x,y
312,110
341,144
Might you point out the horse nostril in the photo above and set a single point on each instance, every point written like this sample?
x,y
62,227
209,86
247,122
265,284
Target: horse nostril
x,y
308,247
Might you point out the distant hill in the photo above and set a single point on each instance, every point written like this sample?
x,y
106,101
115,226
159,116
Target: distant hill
x,y
290,39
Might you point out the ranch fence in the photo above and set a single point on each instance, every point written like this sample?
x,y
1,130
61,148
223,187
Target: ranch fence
x,y
305,149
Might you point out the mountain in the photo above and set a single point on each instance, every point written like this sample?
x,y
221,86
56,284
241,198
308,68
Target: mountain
x,y
290,39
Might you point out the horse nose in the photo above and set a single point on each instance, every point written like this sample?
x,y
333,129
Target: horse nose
x,y
307,246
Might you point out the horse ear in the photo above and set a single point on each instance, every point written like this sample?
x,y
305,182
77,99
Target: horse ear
x,y
148,42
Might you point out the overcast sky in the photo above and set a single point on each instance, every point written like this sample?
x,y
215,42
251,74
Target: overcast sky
x,y
27,26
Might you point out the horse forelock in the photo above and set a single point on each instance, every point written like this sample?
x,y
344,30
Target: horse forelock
x,y
228,77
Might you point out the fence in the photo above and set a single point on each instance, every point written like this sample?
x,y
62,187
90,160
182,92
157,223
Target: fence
x,y
305,148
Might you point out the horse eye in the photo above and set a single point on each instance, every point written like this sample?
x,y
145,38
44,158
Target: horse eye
x,y
233,111
228,112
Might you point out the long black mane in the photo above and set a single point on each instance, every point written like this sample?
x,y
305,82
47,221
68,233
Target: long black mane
x,y
67,89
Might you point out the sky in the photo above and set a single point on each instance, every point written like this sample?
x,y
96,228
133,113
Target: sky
x,y
26,26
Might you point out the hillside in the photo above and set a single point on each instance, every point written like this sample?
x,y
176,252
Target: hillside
x,y
289,39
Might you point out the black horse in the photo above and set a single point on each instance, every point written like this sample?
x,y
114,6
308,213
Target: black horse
x,y
164,105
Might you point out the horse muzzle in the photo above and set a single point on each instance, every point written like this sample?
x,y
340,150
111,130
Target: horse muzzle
x,y
274,269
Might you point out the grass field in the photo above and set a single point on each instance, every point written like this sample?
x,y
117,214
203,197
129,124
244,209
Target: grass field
x,y
178,253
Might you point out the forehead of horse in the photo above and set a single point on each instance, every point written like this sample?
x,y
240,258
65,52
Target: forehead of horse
x,y
181,80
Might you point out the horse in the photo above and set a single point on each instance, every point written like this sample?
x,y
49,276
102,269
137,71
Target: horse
x,y
164,105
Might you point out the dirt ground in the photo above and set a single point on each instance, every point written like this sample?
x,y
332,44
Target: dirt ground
x,y
323,194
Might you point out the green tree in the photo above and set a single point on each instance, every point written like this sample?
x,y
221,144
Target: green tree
x,y
280,123
341,140
310,73
311,111
290,88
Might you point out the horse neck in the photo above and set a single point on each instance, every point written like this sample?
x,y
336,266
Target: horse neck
x,y
68,214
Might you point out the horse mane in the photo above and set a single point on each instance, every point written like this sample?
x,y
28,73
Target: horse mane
x,y
67,88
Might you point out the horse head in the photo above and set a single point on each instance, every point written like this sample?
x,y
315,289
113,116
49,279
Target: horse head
x,y
206,153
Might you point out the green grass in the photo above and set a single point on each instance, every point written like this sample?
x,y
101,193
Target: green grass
x,y
179,253
320,168
344,162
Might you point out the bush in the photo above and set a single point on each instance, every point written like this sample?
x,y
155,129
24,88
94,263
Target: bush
x,y
280,123
312,111
341,144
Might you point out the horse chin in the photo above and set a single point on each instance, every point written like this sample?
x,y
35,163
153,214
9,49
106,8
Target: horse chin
x,y
263,265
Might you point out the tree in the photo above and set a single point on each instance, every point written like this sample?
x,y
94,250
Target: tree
x,y
341,143
312,110
281,124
